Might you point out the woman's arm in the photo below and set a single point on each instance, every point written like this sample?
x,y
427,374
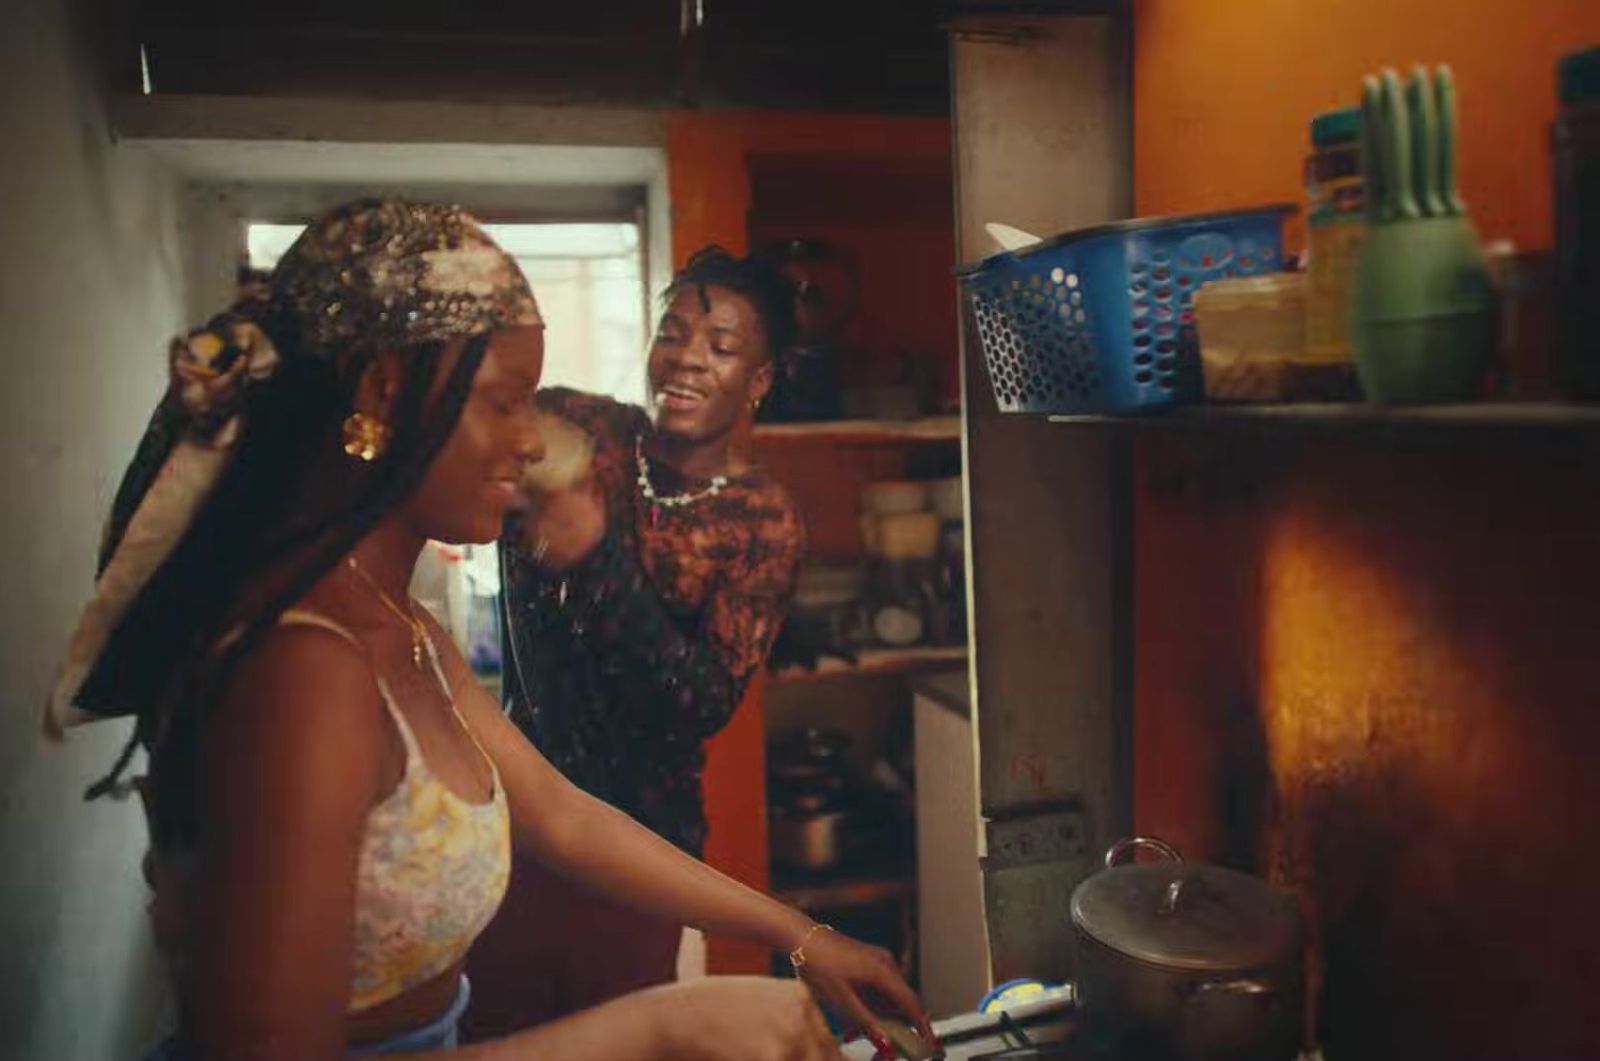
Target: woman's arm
x,y
600,846
295,762
721,1018
292,765
590,840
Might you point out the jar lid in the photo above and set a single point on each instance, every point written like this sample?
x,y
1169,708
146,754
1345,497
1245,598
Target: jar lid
x,y
1579,78
1251,290
1185,915
1342,126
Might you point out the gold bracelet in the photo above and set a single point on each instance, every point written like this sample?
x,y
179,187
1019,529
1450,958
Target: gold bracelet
x,y
797,957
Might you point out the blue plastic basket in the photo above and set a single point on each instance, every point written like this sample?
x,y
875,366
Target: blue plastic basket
x,y
1102,320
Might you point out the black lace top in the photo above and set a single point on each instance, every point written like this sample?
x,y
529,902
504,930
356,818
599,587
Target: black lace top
x,y
620,668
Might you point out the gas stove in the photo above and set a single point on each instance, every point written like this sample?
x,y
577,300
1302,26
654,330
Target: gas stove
x,y
1045,1026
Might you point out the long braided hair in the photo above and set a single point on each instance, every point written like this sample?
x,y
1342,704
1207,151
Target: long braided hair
x,y
402,280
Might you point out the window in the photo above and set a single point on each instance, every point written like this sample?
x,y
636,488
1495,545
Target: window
x,y
589,279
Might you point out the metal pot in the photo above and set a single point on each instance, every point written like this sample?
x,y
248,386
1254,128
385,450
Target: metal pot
x,y
812,842
1189,962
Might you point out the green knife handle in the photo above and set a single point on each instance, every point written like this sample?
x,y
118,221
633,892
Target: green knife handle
x,y
1426,149
1445,94
1373,164
1399,149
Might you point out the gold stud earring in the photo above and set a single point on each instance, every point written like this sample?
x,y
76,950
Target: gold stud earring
x,y
365,437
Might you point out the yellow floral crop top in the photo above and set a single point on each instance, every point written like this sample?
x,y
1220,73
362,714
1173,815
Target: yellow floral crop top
x,y
433,866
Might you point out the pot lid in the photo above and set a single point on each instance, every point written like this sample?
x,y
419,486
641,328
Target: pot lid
x,y
1187,915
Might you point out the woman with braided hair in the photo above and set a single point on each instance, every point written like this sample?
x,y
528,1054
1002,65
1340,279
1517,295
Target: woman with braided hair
x,y
332,798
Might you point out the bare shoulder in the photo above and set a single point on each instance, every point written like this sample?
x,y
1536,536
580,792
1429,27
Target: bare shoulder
x,y
303,709
306,670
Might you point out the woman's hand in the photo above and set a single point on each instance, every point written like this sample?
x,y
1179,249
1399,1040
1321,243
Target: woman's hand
x,y
561,528
840,970
738,1018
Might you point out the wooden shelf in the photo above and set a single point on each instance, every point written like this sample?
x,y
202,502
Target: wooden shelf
x,y
878,661
1530,416
835,895
865,432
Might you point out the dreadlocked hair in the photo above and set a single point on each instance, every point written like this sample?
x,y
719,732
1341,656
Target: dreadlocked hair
x,y
756,278
257,545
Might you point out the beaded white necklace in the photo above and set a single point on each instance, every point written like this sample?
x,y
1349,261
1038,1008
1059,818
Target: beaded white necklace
x,y
647,489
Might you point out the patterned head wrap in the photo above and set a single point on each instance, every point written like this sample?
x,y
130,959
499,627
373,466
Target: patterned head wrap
x,y
369,277
393,275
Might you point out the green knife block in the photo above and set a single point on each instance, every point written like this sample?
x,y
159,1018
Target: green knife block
x,y
1423,313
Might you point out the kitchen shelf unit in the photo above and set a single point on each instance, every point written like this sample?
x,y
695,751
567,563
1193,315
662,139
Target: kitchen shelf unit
x,y
1565,417
875,662
842,894
864,432
890,216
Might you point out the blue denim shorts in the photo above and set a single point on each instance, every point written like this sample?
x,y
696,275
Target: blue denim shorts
x,y
441,1033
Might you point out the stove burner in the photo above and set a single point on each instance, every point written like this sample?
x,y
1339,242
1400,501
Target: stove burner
x,y
1024,1047
1047,1028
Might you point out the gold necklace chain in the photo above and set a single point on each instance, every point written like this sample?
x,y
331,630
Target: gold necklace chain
x,y
419,633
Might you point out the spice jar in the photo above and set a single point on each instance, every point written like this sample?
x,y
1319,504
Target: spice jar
x,y
1335,220
1576,146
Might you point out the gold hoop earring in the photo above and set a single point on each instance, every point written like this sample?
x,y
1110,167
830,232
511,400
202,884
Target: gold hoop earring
x,y
366,438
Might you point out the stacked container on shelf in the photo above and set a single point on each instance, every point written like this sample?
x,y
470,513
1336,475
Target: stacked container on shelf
x,y
1576,147
1397,304
1102,320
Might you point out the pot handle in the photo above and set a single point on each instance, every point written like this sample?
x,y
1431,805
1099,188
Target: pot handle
x,y
1241,986
1133,843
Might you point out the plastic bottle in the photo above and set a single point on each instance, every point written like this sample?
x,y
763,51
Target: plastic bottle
x,y
1575,142
1334,215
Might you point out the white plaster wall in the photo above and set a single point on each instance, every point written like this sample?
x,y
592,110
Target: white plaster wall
x,y
216,213
91,286
105,252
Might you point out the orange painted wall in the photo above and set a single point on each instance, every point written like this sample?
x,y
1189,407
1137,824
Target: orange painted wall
x,y
1224,91
1367,668
908,293
707,153
709,181
1366,665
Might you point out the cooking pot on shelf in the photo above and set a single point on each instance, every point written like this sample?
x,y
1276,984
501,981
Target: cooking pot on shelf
x,y
812,841
1189,962
809,815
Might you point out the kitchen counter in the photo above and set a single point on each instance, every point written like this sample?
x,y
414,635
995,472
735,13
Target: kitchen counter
x,y
951,690
953,951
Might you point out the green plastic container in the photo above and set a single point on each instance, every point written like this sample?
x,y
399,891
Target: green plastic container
x,y
1423,311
